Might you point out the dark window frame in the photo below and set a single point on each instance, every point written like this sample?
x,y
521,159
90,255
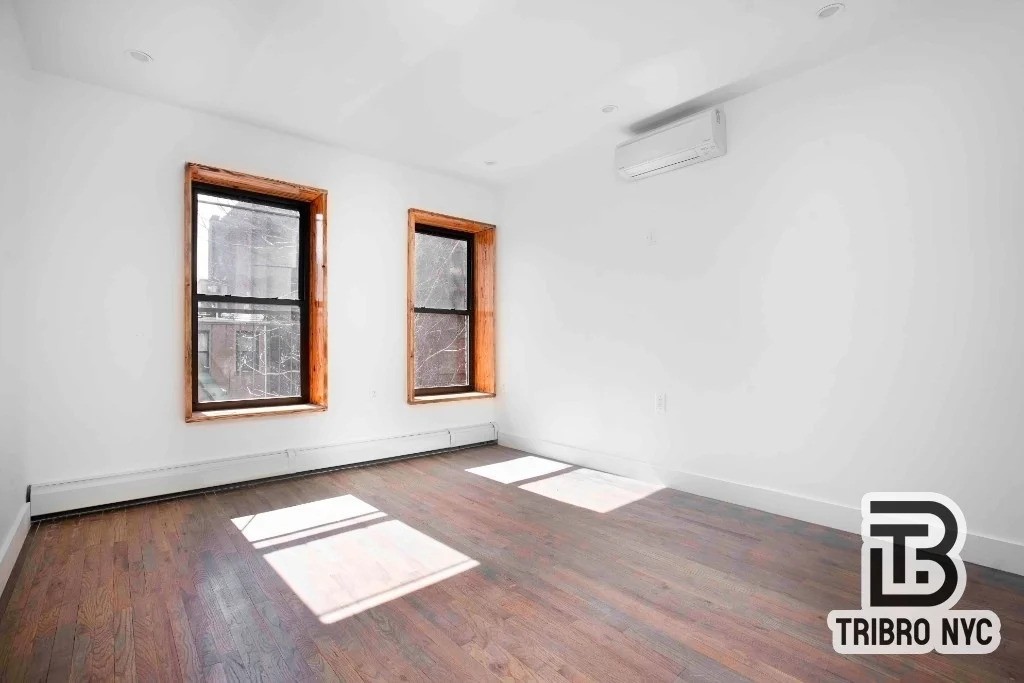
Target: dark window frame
x,y
468,312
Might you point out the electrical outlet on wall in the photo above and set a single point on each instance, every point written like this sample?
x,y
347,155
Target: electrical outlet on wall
x,y
661,403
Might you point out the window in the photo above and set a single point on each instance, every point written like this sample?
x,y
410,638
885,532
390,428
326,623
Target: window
x,y
246,351
255,294
443,311
451,308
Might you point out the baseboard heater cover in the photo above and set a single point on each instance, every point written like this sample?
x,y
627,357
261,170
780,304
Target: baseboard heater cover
x,y
50,498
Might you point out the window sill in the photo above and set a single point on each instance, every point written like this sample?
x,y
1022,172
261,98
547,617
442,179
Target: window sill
x,y
441,398
242,413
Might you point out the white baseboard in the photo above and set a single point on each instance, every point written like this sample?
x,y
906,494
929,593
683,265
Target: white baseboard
x,y
53,497
13,540
984,550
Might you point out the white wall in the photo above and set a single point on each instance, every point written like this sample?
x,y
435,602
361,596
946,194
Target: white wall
x,y
14,113
834,307
102,389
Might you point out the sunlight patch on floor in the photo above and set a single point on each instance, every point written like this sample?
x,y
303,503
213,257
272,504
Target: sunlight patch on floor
x,y
340,557
519,469
593,490
299,521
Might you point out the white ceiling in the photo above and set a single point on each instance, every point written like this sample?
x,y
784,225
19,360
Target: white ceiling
x,y
447,84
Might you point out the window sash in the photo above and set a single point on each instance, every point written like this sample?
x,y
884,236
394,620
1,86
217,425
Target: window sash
x,y
452,388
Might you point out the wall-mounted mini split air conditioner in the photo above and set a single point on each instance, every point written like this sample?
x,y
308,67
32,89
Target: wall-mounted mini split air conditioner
x,y
695,139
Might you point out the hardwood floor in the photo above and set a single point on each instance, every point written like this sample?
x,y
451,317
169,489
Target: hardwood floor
x,y
421,571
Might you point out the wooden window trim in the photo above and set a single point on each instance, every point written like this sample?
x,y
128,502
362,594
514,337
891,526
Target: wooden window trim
x,y
484,383
316,272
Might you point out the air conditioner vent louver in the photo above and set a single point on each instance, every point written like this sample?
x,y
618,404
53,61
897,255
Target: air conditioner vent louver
x,y
659,164
687,142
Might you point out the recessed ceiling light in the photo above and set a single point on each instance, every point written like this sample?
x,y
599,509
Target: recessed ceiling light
x,y
831,10
490,163
609,108
139,56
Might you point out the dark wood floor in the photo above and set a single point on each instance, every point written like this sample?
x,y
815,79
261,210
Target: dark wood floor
x,y
670,587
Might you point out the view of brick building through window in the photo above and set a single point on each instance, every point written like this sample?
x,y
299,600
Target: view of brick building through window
x,y
248,350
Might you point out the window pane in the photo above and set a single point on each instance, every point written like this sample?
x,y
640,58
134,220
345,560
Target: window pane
x,y
442,341
442,273
254,351
246,249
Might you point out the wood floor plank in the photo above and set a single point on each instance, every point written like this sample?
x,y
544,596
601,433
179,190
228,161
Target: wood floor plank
x,y
669,587
93,655
10,620
155,656
124,645
60,588
36,603
181,633
67,621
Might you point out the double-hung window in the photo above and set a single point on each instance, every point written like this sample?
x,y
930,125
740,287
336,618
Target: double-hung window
x,y
255,294
451,308
443,312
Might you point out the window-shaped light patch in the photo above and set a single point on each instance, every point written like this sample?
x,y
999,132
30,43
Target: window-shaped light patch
x,y
342,556
347,572
510,471
597,491
300,521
